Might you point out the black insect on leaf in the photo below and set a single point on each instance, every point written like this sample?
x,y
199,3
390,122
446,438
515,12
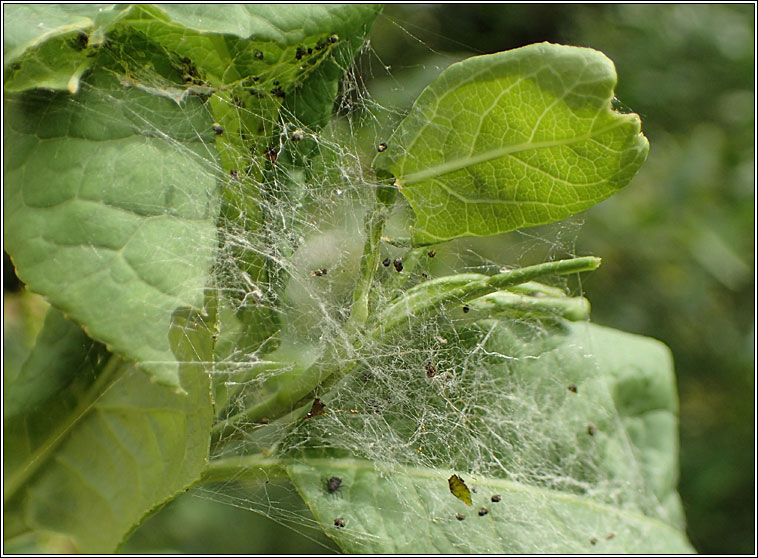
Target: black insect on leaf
x,y
431,370
459,489
591,429
386,262
339,522
217,128
398,263
572,388
299,53
483,511
431,253
381,147
316,409
496,498
460,516
333,484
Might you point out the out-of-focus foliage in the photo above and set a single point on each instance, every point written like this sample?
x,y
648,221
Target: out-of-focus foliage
x,y
678,243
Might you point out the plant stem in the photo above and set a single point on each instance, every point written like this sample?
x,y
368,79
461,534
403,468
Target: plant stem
x,y
422,300
369,263
247,467
375,220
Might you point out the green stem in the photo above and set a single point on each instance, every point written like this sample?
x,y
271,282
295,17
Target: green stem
x,y
242,468
375,220
422,300
369,264
111,372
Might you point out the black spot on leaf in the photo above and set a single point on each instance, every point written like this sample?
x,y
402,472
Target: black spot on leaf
x,y
333,484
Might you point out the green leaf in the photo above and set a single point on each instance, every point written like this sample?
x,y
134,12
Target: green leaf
x,y
62,355
573,426
95,456
513,139
110,208
410,510
51,46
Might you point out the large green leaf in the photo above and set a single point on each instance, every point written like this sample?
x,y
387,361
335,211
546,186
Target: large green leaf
x,y
513,139
94,454
110,209
131,226
574,426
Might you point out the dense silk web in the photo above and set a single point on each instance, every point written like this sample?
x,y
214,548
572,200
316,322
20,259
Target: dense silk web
x,y
457,391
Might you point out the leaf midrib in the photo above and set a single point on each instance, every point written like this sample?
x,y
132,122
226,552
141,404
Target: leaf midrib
x,y
506,485
458,164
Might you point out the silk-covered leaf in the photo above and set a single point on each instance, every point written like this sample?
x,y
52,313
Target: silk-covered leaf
x,y
572,429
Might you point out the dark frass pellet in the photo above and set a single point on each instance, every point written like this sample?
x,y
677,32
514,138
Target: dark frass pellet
x,y
339,522
258,54
572,388
382,147
333,484
431,253
217,128
297,135
466,309
483,511
591,429
398,263
431,370
386,262
593,540
318,272
496,498
460,516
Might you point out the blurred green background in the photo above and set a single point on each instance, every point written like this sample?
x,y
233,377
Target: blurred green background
x,y
677,244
